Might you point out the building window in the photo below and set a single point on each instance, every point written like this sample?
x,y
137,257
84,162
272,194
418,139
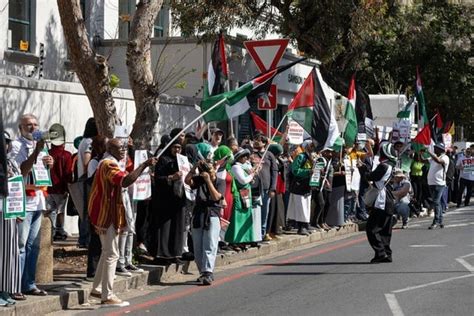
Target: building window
x,y
161,23
19,24
126,10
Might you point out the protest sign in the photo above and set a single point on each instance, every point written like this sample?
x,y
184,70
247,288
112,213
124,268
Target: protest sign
x,y
369,128
141,187
348,174
447,140
315,180
41,175
184,166
355,181
13,205
295,133
404,127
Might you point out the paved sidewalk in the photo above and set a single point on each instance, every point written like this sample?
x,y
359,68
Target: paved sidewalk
x,y
71,289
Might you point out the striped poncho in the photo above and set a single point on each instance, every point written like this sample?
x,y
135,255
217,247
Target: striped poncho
x,y
105,202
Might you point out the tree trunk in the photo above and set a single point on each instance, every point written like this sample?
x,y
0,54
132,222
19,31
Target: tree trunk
x,y
145,91
91,68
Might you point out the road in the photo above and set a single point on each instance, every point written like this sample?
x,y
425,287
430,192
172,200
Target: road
x,y
432,274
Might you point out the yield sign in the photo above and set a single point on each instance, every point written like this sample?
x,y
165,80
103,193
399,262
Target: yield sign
x,y
267,53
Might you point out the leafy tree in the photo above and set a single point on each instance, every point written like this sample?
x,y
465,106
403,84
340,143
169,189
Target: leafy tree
x,y
382,41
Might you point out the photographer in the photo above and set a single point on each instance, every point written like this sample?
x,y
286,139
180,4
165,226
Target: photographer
x,y
206,218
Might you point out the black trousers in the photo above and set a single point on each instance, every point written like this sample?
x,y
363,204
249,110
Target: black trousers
x,y
93,252
379,232
464,183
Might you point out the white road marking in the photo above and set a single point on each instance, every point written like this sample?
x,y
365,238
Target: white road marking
x,y
466,264
393,304
432,283
426,246
459,225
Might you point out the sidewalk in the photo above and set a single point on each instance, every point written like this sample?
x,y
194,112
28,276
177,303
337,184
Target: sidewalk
x,y
70,288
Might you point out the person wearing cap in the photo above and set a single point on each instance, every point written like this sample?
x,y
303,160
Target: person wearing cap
x,y
439,163
216,139
379,223
61,175
466,177
240,229
401,192
10,284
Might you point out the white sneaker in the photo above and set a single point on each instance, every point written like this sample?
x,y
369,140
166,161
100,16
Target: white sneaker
x,y
114,302
123,272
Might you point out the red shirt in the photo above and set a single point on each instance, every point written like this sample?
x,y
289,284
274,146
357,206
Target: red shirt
x,y
61,173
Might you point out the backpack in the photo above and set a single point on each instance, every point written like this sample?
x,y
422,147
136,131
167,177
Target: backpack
x,y
450,172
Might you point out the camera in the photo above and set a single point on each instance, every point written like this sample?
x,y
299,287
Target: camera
x,y
204,166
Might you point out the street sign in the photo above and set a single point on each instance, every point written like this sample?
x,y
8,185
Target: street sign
x,y
266,53
270,102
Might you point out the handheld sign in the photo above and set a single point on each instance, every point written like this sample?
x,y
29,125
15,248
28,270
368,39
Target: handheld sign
x,y
41,175
141,187
14,205
315,180
185,167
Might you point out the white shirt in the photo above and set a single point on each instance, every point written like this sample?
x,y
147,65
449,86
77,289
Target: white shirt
x,y
22,148
437,173
466,173
85,146
240,175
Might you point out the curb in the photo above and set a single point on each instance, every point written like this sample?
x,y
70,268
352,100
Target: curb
x,y
75,291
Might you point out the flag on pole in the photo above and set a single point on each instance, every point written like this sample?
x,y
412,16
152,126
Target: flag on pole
x,y
422,116
217,71
350,131
238,101
310,108
261,125
406,112
424,136
364,112
450,128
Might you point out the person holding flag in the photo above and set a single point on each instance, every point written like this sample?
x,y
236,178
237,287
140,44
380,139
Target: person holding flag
x,y
439,164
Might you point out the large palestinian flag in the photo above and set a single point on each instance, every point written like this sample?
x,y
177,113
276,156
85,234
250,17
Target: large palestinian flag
x,y
217,71
237,102
310,108
350,132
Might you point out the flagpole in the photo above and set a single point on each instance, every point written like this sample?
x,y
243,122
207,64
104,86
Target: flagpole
x,y
271,139
191,124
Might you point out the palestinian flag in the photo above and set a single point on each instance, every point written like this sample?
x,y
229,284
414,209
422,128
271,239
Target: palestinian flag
x,y
310,108
261,125
406,112
217,71
364,114
424,136
237,102
350,132
422,116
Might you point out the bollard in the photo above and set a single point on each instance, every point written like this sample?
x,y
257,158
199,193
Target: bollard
x,y
44,266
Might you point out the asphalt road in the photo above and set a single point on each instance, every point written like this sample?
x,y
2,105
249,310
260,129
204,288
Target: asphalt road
x,y
432,274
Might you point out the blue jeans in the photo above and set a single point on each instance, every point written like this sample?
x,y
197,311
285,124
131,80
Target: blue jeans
x,y
361,211
205,244
264,209
349,203
436,194
444,199
402,209
29,243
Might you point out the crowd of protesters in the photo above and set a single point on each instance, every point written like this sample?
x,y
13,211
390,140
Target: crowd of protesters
x,y
236,195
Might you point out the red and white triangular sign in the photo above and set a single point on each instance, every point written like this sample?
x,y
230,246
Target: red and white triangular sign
x,y
267,53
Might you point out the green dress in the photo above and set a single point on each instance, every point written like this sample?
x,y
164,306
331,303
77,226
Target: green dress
x,y
240,229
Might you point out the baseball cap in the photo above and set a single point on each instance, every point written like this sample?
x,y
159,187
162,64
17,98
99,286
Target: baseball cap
x,y
57,134
217,130
440,146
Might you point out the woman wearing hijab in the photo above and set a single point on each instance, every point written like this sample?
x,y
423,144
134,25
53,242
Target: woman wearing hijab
x,y
276,214
299,205
240,228
167,220
223,158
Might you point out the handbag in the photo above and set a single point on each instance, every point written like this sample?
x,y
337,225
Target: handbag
x,y
245,198
370,196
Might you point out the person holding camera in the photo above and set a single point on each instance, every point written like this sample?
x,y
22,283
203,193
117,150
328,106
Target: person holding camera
x,y
25,151
206,217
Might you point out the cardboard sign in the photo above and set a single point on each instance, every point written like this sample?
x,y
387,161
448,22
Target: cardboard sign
x,y
369,127
348,174
295,133
41,175
362,137
468,165
355,182
184,166
141,187
14,205
315,180
448,140
121,131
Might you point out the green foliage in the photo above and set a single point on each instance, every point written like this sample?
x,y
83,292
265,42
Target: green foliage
x,y
114,81
381,40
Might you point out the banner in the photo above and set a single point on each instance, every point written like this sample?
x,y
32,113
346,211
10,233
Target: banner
x,y
184,166
14,205
141,187
295,133
41,175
